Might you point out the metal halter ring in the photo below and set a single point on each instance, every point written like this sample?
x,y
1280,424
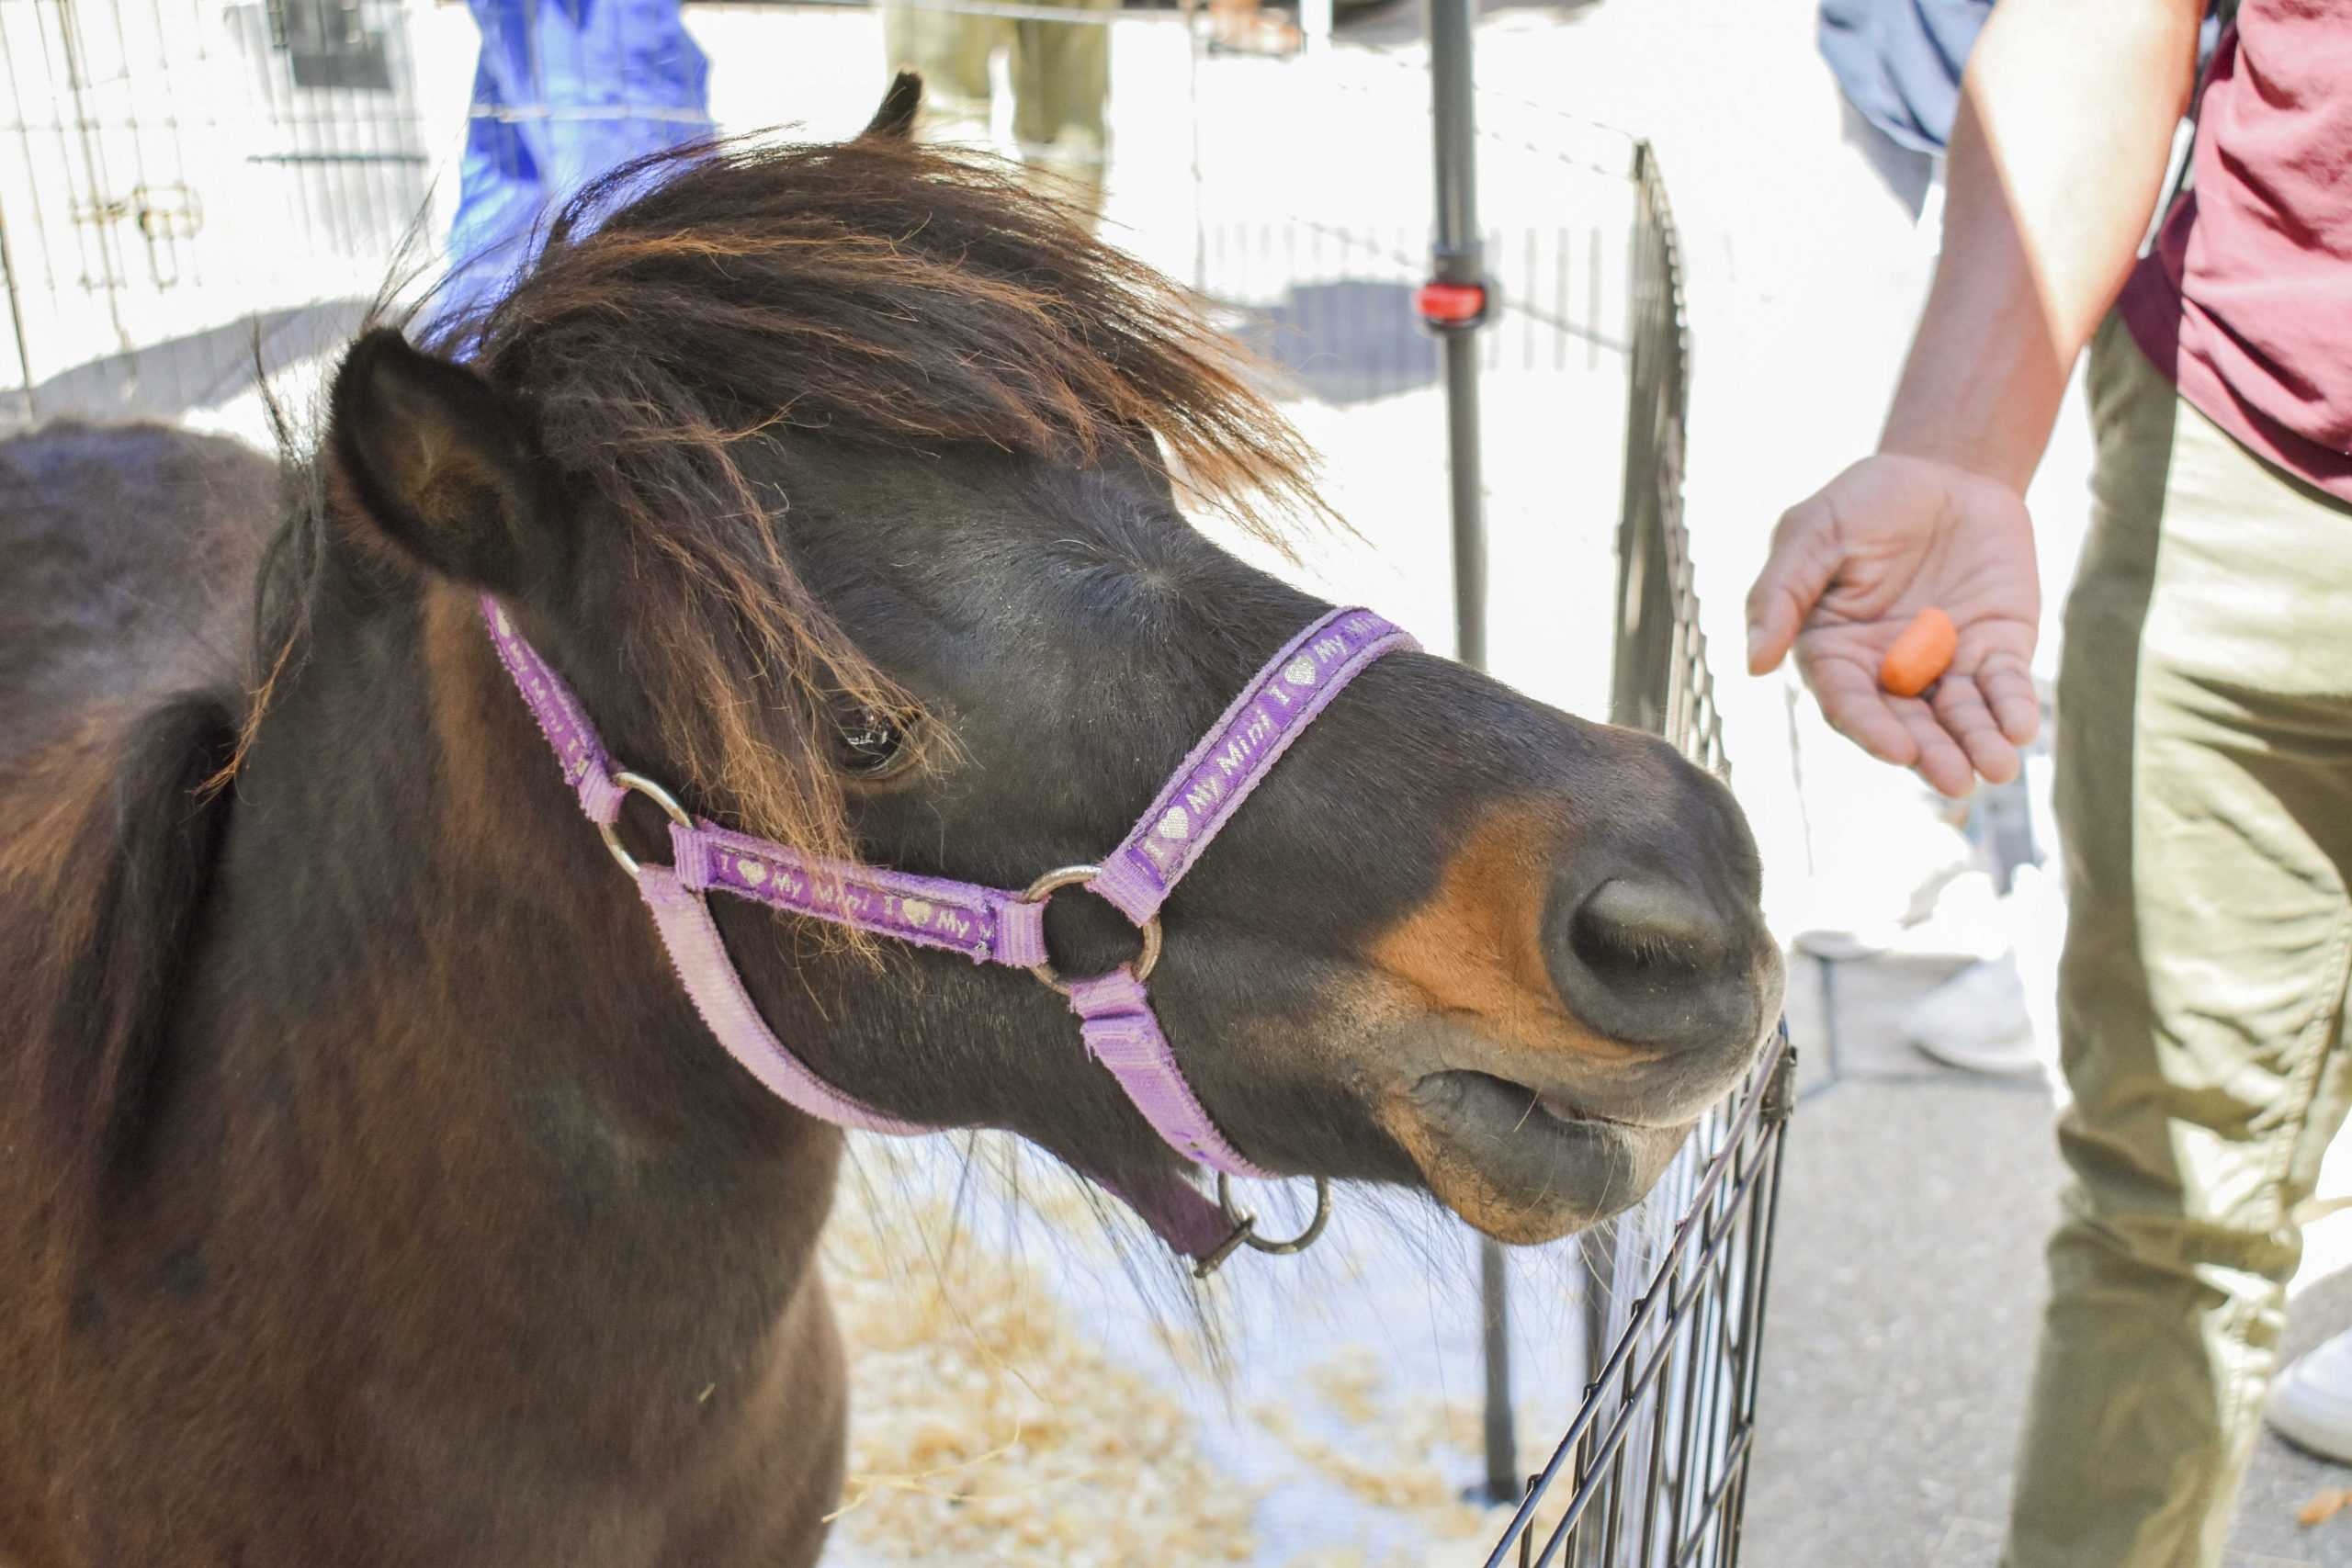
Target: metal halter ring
x,y
652,791
1245,1227
1053,882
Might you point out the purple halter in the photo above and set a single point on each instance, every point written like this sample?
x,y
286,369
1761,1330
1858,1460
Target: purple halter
x,y
987,925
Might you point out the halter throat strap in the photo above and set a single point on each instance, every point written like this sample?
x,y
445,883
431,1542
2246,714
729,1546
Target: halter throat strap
x,y
987,925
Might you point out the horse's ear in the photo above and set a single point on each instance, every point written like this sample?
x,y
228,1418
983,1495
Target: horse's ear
x,y
443,462
894,121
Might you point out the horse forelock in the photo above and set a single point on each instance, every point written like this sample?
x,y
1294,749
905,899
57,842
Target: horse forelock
x,y
879,292
874,294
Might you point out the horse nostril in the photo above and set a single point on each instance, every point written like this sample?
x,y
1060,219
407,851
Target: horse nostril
x,y
1644,929
1650,961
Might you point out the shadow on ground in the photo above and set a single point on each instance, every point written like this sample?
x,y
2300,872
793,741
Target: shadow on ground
x,y
199,370
1345,342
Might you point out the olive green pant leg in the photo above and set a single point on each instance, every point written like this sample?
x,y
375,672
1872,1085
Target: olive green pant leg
x,y
1061,95
951,50
2204,763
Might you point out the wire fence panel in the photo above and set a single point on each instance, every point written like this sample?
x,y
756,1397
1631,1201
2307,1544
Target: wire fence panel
x,y
1656,1458
1662,681
175,174
1331,305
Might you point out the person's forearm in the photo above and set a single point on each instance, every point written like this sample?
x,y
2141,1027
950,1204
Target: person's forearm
x,y
2065,129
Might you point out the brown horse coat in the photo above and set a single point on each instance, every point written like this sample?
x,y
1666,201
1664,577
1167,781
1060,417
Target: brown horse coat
x,y
370,1192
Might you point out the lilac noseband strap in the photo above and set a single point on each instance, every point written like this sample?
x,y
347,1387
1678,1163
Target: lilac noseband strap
x,y
987,925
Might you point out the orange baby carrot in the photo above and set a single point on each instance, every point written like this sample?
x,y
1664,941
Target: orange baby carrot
x,y
1920,655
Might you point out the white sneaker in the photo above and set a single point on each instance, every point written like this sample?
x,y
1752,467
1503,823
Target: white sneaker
x,y
1978,1022
2311,1406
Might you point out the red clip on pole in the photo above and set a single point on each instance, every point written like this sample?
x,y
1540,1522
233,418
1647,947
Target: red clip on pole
x,y
1452,304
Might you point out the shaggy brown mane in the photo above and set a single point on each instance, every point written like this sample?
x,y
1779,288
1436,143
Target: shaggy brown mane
x,y
885,295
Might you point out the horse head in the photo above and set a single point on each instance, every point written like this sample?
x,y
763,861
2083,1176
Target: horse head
x,y
846,486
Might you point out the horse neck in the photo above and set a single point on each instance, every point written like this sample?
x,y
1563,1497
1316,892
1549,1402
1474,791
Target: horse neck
x,y
465,996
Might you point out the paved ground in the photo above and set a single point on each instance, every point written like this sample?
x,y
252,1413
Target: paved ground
x,y
1903,1326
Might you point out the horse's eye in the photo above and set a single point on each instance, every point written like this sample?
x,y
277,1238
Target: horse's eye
x,y
868,743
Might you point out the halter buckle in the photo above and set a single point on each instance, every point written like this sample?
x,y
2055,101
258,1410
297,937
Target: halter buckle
x,y
652,791
1053,882
1245,1228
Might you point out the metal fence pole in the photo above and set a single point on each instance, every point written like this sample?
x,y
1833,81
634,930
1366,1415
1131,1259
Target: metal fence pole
x,y
1502,1484
16,323
1459,261
1314,27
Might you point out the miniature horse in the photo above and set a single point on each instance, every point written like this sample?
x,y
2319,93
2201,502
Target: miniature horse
x,y
370,1193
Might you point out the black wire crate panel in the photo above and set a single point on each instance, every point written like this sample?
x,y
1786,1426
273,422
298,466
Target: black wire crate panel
x,y
1656,1460
1661,681
1654,1465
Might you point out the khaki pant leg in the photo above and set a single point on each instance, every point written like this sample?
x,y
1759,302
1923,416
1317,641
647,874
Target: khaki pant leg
x,y
1061,95
952,52
2205,788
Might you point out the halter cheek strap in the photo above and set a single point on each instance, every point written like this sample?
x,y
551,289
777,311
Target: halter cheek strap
x,y
985,924
1233,758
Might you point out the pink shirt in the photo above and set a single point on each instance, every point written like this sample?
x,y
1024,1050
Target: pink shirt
x,y
2245,299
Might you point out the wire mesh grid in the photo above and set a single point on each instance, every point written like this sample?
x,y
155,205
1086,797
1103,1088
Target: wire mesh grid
x,y
1661,679
1656,1455
176,176
1656,1458
1329,305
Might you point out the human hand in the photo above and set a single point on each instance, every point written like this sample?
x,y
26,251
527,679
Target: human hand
x,y
1852,565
